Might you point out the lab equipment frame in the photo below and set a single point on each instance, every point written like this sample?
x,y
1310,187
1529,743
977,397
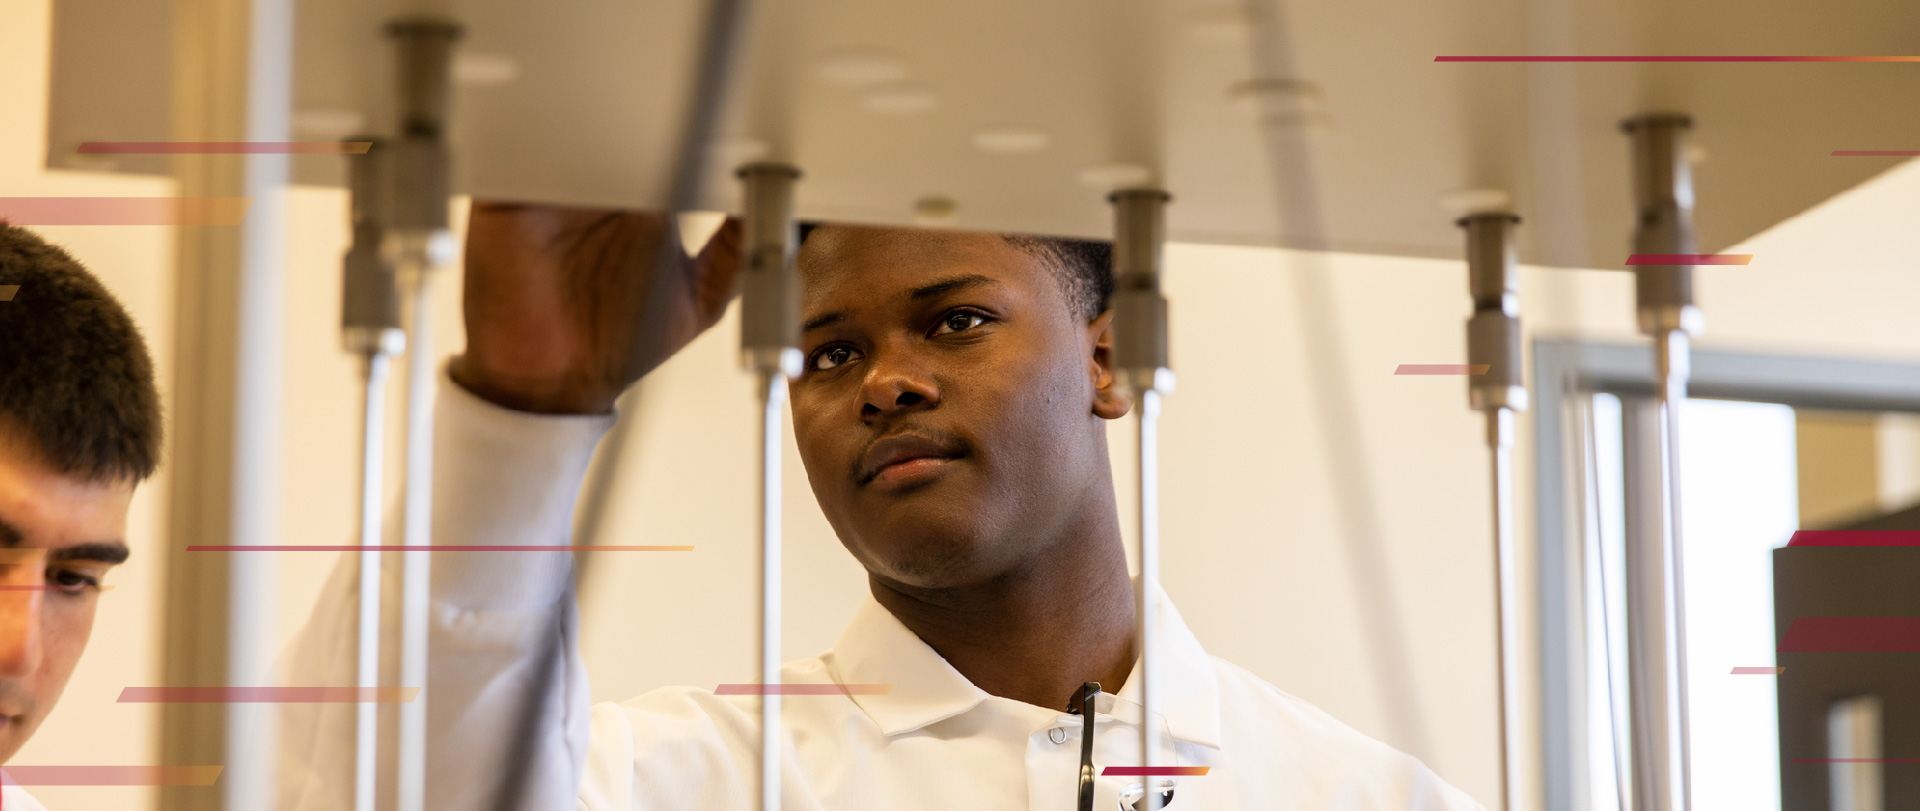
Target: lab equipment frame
x,y
1567,369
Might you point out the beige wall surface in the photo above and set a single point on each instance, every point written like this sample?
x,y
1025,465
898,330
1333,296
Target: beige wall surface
x,y
89,727
1260,553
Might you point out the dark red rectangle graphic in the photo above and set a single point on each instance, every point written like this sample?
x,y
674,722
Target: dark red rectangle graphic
x,y
1852,635
1855,537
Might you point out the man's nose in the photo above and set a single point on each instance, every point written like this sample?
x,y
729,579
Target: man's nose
x,y
895,384
20,597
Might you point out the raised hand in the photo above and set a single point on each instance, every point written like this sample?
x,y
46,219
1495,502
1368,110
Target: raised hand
x,y
555,297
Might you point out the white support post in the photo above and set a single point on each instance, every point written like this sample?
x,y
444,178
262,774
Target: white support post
x,y
233,80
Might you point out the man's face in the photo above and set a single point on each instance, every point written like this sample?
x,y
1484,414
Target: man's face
x,y
58,537
950,411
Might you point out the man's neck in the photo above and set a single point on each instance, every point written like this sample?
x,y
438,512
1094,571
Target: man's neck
x,y
1036,635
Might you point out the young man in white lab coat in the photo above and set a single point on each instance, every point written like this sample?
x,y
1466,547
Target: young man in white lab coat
x,y
79,428
951,420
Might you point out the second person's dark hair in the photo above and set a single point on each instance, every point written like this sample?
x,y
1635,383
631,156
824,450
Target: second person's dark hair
x,y
78,383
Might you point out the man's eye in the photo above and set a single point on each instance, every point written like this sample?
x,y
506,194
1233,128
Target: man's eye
x,y
831,357
70,580
961,320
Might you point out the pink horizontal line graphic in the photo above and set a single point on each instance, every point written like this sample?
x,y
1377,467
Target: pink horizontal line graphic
x,y
124,210
1689,259
1442,369
803,689
1852,635
1155,771
7,291
269,695
1857,760
439,548
224,147
1757,671
1875,153
1855,537
1676,59
111,775
55,588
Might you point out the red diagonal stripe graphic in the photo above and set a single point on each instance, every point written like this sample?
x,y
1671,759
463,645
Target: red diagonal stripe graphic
x,y
112,775
224,147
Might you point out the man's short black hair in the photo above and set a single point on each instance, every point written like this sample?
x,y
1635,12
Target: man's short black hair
x,y
1084,267
76,382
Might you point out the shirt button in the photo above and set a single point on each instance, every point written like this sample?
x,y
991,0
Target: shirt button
x,y
1057,735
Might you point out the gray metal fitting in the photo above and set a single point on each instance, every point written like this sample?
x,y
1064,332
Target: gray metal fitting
x,y
421,188
1663,203
370,291
769,285
1140,356
1493,333
420,231
424,68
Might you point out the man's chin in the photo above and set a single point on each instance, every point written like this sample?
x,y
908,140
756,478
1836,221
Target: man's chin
x,y
924,564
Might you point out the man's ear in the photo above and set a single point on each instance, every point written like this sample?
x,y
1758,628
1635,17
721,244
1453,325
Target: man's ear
x,y
1108,402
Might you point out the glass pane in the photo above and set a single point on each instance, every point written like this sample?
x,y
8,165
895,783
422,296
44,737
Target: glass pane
x,y
1739,502
1738,486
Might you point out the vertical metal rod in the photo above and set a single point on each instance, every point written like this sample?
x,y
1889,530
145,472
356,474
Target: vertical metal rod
x,y
1499,391
773,389
1147,611
1506,606
1141,368
1663,195
370,328
367,666
1673,346
1596,562
416,576
1651,754
770,348
420,240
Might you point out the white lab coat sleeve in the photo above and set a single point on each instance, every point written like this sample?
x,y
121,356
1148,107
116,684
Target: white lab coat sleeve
x,y
502,624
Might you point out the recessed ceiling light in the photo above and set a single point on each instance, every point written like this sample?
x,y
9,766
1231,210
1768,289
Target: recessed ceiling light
x,y
1224,24
935,211
903,100
1114,176
484,69
1010,140
740,149
1281,101
327,123
1468,202
861,67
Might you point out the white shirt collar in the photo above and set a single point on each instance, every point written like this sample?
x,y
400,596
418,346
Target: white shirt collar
x,y
876,648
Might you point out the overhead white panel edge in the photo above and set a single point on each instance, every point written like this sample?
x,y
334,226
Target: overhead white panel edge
x,y
1002,107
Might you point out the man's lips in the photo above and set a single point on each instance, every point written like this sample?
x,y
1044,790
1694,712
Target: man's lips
x,y
902,454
